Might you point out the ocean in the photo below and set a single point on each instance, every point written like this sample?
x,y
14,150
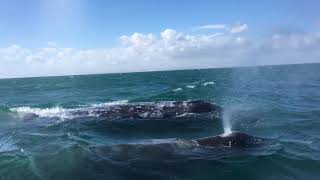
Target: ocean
x,y
41,137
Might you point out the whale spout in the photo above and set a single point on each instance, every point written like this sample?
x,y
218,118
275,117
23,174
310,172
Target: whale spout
x,y
235,139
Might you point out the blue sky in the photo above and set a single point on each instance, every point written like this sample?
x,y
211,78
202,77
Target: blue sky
x,y
98,23
75,28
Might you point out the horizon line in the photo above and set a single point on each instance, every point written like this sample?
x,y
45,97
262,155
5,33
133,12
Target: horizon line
x,y
150,71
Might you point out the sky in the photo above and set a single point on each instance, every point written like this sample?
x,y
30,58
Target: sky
x,y
66,37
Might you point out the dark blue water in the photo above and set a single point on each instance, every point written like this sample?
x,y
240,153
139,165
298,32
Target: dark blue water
x,y
41,139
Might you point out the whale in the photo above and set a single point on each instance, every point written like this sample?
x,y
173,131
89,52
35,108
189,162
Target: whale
x,y
162,110
162,148
155,110
234,139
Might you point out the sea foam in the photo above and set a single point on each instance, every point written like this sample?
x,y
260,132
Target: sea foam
x,y
190,86
60,112
209,83
177,89
46,112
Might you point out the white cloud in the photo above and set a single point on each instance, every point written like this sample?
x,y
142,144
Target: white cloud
x,y
138,39
213,26
168,50
238,28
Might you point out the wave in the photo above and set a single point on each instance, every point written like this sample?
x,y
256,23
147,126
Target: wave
x,y
177,89
47,112
190,86
209,83
60,112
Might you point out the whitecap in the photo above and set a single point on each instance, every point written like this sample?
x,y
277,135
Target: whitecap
x,y
190,86
59,112
176,90
45,112
209,83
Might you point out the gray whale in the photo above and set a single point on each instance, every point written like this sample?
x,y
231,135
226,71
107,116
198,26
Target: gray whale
x,y
161,148
235,139
144,110
166,149
155,110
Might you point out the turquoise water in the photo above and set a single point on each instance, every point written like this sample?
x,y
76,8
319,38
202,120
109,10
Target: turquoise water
x,y
277,102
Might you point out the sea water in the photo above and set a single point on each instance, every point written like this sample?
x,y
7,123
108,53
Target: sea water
x,y
41,137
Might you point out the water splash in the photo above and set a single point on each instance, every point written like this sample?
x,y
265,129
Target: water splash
x,y
226,120
60,112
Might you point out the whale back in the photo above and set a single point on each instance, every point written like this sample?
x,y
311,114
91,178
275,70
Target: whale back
x,y
159,110
235,139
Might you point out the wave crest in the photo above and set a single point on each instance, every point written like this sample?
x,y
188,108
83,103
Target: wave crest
x,y
60,112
